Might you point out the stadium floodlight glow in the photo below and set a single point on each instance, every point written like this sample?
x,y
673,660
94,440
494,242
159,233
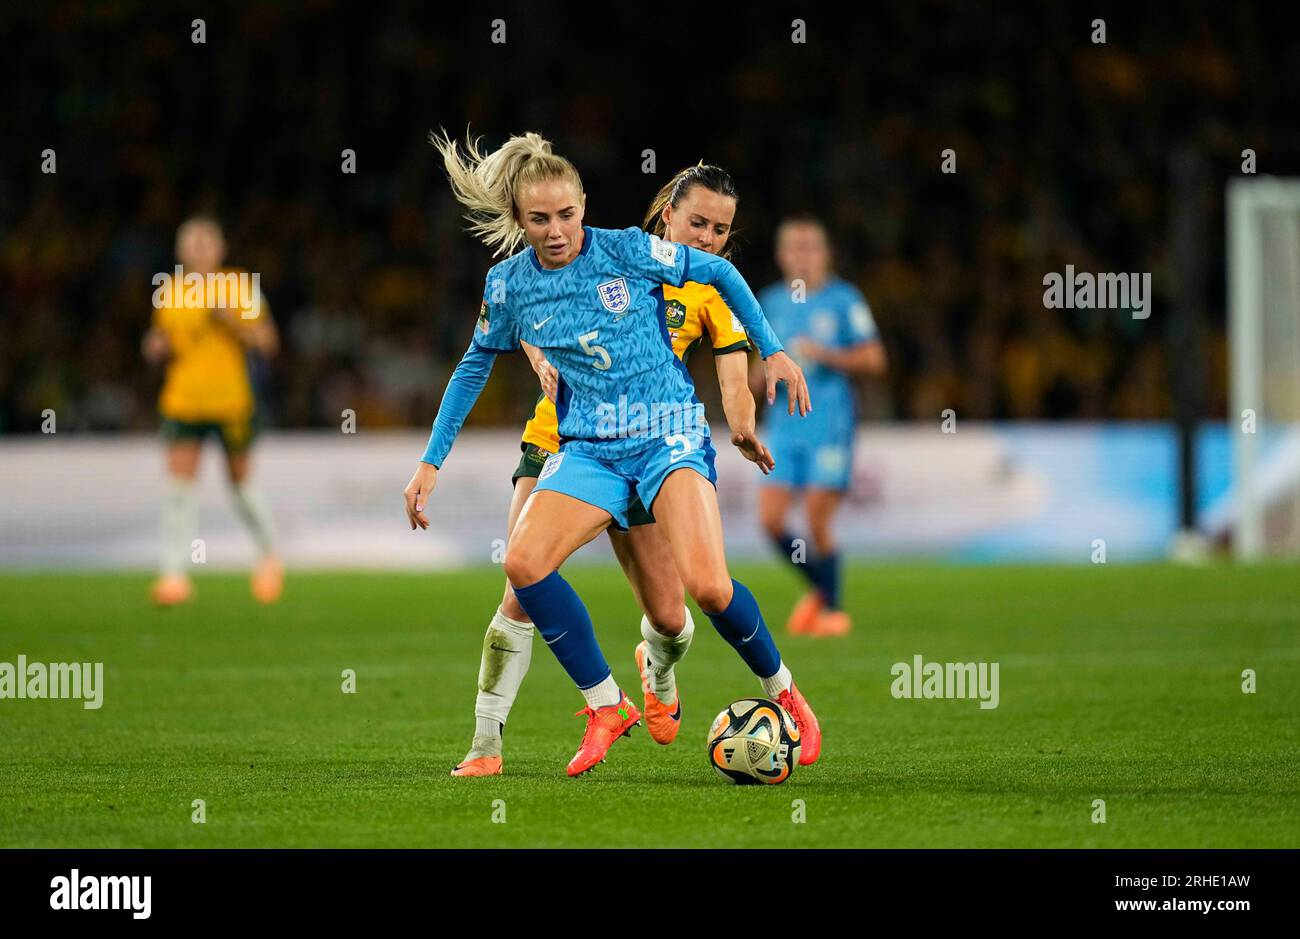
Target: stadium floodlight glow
x,y
1263,222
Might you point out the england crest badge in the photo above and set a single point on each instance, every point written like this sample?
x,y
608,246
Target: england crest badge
x,y
614,295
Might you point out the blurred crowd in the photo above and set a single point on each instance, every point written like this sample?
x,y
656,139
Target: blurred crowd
x,y
1062,149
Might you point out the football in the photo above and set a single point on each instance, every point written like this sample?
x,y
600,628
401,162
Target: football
x,y
754,741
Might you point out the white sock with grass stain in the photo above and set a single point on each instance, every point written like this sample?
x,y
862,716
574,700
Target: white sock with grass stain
x,y
507,653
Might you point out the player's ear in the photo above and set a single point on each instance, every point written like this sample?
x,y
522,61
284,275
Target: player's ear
x,y
666,215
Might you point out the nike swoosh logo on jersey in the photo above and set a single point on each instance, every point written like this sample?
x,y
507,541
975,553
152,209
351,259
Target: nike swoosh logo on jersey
x,y
544,322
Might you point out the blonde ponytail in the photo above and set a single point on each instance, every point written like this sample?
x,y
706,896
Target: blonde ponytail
x,y
487,185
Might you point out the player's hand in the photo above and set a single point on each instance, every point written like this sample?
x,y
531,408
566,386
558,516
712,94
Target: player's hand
x,y
417,494
754,450
547,374
780,367
808,351
227,316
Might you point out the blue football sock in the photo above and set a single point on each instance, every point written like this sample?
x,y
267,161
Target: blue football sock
x,y
741,624
560,617
825,572
786,547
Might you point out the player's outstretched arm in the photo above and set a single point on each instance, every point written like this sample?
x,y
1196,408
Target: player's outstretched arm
x,y
458,400
865,358
417,493
738,406
722,275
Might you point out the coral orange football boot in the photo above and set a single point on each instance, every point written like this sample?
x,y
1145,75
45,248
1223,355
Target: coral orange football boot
x,y
481,761
479,766
604,726
810,733
172,590
831,623
805,614
662,720
267,581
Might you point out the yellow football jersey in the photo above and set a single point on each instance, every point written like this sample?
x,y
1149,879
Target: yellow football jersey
x,y
689,312
207,373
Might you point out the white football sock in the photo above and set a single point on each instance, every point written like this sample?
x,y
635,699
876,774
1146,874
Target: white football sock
x,y
775,684
507,653
603,694
257,518
662,653
178,523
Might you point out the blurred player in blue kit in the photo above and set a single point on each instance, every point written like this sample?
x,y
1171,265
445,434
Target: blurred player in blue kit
x,y
826,325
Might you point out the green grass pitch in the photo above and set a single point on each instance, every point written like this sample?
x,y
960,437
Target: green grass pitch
x,y
1116,683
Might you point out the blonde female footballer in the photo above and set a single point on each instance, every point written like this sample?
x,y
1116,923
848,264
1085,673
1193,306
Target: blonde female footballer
x,y
592,299
696,207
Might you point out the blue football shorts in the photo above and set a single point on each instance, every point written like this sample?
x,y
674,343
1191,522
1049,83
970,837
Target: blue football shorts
x,y
614,485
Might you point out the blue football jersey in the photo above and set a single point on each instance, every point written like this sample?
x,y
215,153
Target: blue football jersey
x,y
600,321
836,315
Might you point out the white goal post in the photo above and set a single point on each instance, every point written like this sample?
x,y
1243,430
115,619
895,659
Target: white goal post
x,y
1263,222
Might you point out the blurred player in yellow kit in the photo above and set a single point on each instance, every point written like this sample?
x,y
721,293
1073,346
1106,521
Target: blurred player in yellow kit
x,y
204,333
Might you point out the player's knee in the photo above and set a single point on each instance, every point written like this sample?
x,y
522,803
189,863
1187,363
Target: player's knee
x,y
667,616
821,525
713,594
523,565
772,518
823,540
183,467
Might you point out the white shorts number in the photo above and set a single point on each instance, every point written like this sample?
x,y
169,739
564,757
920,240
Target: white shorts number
x,y
673,440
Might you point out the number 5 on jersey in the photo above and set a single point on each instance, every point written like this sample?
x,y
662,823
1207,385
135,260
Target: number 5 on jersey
x,y
599,353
